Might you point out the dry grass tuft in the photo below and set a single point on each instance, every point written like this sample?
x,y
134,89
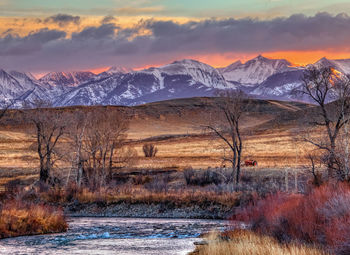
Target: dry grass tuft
x,y
243,242
17,219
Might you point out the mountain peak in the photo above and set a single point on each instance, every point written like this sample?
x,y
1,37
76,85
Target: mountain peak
x,y
119,69
67,78
254,71
260,57
187,61
2,72
325,62
185,64
235,64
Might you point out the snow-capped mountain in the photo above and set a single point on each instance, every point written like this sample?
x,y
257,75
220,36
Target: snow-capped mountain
x,y
22,86
259,77
341,65
254,71
279,86
112,71
179,79
66,79
199,72
118,69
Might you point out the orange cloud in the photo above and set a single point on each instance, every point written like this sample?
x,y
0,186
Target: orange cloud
x,y
295,57
24,25
307,57
99,70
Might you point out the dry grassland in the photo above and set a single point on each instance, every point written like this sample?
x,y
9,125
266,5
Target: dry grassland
x,y
175,127
243,242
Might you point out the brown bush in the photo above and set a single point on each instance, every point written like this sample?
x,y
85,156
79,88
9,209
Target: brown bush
x,y
141,179
202,177
18,219
150,150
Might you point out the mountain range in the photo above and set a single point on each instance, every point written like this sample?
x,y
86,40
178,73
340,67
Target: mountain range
x,y
260,77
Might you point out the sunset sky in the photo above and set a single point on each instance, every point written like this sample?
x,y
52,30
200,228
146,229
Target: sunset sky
x,y
48,35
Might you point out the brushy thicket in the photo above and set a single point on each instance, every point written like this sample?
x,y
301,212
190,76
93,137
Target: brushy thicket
x,y
19,218
141,195
202,178
243,242
321,217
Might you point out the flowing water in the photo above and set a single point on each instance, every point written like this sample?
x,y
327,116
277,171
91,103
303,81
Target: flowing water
x,y
122,236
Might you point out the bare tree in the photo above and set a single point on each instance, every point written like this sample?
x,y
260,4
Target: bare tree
x,y
316,163
228,128
76,134
49,129
105,132
330,90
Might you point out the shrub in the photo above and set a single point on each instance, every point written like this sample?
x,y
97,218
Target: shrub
x,y
18,218
320,217
150,150
188,175
141,179
13,186
159,184
201,177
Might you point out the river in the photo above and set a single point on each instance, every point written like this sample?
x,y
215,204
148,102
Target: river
x,y
122,236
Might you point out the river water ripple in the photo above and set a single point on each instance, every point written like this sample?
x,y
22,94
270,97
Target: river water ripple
x,y
122,236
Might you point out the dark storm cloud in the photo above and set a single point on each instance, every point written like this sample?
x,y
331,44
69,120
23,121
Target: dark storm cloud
x,y
62,19
297,32
105,31
108,19
162,41
14,45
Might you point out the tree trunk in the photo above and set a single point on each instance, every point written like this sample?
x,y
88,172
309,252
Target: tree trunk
x,y
238,169
331,160
110,173
239,153
79,173
44,173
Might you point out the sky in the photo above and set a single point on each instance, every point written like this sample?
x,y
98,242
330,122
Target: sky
x,y
48,35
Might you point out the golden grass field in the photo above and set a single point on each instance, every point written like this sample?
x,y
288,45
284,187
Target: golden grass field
x,y
242,242
175,127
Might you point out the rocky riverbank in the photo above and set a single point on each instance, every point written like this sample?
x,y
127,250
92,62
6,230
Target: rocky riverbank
x,y
144,210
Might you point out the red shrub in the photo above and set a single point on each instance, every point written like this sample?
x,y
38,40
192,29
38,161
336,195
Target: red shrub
x,y
320,217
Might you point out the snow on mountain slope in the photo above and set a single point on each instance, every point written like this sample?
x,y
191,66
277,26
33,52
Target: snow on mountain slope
x,y
89,93
260,77
342,65
254,71
17,85
184,78
279,86
9,86
119,69
113,70
200,72
23,77
66,79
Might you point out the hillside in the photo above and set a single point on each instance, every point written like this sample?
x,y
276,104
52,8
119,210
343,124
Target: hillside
x,y
175,127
